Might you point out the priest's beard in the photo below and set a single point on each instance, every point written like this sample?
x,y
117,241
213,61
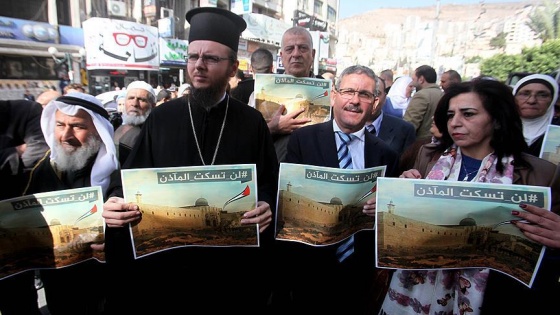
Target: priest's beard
x,y
76,158
208,97
135,120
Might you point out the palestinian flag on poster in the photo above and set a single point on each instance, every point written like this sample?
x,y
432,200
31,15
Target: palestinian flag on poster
x,y
246,192
92,211
371,191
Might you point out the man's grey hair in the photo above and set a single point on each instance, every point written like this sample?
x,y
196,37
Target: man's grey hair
x,y
298,30
357,69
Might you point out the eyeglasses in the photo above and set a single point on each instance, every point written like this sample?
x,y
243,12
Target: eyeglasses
x,y
206,59
523,96
124,39
348,94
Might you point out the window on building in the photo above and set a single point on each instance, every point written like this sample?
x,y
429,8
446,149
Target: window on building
x,y
34,10
23,67
331,14
318,7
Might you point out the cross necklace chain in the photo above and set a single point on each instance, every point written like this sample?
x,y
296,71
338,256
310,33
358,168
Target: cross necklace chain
x,y
219,137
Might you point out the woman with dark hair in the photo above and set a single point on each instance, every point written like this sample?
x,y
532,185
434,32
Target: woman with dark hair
x,y
482,141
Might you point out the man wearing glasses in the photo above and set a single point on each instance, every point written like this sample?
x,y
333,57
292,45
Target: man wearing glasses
x,y
205,127
318,278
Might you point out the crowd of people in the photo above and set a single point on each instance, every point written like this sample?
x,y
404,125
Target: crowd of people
x,y
478,130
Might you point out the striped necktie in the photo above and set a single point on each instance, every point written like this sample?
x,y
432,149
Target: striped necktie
x,y
346,248
344,156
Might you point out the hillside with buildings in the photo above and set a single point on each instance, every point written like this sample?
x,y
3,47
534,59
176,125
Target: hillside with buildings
x,y
446,37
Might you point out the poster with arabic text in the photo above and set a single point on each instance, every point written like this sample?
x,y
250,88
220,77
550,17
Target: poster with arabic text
x,y
192,206
435,224
50,230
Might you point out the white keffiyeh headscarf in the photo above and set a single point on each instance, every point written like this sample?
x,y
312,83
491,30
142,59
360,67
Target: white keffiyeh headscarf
x,y
533,128
106,161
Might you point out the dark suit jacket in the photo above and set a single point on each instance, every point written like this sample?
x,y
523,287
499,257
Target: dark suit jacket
x,y
315,145
397,133
243,90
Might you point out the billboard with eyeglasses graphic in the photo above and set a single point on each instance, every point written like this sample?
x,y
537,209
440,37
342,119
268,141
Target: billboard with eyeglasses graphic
x,y
117,44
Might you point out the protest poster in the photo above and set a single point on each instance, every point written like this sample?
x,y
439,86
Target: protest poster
x,y
321,205
310,94
50,230
434,224
191,206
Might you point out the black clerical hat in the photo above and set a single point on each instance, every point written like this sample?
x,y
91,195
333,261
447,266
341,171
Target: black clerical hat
x,y
215,24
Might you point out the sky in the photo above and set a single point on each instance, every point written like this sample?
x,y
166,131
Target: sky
x,y
350,8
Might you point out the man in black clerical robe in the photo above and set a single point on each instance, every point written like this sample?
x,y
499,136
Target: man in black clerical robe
x,y
207,127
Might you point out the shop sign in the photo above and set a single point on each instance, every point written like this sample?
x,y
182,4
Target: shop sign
x,y
241,6
118,44
172,52
28,30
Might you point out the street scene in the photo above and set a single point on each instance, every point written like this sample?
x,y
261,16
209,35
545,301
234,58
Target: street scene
x,y
173,112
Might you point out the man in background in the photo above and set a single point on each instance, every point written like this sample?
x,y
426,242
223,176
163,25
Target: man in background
x,y
423,104
139,102
387,76
448,78
28,96
395,132
22,145
73,87
47,96
163,96
297,55
261,62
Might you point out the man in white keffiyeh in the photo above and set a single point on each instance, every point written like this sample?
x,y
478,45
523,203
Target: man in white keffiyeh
x,y
72,152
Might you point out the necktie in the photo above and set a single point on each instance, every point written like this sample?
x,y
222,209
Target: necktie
x,y
344,156
345,249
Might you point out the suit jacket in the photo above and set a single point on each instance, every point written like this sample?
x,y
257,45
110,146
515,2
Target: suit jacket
x,y
243,90
421,109
316,145
397,133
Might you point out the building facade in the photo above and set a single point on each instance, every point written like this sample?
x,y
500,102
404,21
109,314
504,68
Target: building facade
x,y
106,44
